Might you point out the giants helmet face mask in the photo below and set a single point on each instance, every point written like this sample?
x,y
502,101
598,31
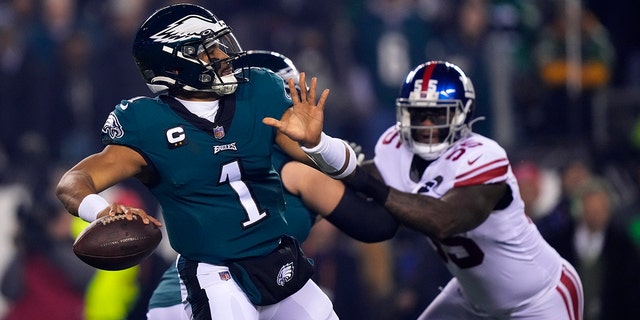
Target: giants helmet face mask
x,y
169,46
434,108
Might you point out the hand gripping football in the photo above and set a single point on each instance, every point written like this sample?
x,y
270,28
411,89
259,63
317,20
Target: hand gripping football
x,y
115,243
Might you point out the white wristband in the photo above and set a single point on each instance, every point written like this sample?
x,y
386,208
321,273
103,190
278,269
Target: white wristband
x,y
333,156
91,206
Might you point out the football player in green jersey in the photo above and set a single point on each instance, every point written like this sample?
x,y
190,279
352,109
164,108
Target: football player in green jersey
x,y
303,187
203,147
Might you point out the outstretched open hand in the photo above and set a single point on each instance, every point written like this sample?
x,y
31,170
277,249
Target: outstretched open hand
x,y
304,123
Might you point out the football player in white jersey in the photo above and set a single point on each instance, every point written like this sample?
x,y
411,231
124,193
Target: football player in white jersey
x,y
457,187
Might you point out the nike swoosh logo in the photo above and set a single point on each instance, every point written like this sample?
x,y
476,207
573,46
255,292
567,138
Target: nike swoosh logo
x,y
124,106
470,162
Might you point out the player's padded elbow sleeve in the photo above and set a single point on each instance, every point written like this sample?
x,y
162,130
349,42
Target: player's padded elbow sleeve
x,y
362,219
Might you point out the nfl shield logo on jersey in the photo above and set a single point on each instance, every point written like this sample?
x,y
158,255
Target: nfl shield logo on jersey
x,y
225,275
218,132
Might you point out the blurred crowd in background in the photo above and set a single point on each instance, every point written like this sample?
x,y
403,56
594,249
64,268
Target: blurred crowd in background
x,y
557,80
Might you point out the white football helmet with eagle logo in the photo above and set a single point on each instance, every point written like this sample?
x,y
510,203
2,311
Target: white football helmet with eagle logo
x,y
167,47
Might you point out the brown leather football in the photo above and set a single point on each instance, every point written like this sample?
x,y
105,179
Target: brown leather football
x,y
115,243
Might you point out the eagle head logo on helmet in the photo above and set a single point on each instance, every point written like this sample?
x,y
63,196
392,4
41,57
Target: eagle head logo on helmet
x,y
189,27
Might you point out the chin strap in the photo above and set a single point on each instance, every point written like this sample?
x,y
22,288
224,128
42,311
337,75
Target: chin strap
x,y
221,88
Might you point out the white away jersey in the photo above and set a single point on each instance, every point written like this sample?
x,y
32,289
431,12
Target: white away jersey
x,y
502,264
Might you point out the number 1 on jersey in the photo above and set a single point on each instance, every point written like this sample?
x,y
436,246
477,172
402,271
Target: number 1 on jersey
x,y
231,174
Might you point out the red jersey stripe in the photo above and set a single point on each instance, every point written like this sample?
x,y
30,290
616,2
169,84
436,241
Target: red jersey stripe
x,y
460,176
566,303
572,301
483,177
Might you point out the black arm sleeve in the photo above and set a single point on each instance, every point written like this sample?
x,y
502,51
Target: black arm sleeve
x,y
362,181
362,219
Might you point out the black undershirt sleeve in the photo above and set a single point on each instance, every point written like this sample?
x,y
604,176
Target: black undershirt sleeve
x,y
363,182
362,219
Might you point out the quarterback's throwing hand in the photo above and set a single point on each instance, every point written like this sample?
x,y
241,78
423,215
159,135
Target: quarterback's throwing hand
x,y
115,209
303,122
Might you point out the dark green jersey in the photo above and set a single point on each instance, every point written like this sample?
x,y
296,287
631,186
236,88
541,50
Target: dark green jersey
x,y
299,223
220,196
